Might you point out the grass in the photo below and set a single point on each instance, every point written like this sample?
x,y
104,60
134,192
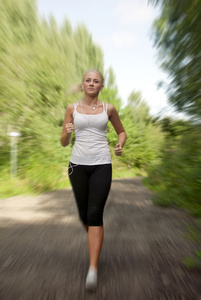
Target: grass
x,y
154,188
165,197
190,263
125,172
10,187
193,234
13,186
17,186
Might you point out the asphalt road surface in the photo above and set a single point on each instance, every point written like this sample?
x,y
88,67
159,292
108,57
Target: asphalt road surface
x,y
44,254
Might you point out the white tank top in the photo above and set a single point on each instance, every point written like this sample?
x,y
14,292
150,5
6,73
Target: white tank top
x,y
91,145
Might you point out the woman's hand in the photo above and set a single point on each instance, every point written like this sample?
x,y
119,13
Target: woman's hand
x,y
118,149
69,127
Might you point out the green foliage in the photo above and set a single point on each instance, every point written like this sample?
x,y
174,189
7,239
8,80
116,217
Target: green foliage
x,y
177,36
198,254
194,234
142,147
174,128
22,20
178,177
39,62
190,263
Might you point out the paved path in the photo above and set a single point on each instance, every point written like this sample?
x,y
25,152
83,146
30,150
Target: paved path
x,y
44,255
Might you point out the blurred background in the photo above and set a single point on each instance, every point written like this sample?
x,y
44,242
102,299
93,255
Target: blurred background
x,y
150,55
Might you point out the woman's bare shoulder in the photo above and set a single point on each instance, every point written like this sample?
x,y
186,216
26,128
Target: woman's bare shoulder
x,y
111,109
70,107
110,106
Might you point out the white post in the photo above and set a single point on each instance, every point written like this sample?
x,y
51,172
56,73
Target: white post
x,y
13,153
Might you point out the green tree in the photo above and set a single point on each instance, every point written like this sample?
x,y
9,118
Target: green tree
x,y
142,147
177,36
38,64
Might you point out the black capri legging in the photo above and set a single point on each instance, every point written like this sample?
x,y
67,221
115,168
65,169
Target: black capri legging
x,y
91,186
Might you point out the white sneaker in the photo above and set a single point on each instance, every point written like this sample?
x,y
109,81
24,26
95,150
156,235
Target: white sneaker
x,y
91,280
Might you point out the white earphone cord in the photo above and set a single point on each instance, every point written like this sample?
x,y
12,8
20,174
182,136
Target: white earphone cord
x,y
71,167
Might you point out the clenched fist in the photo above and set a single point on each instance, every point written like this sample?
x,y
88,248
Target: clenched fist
x,y
70,127
118,150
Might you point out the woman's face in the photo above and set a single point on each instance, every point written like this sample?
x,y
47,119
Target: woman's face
x,y
92,83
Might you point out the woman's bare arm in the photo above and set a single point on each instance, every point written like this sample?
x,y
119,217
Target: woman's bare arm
x,y
68,126
116,122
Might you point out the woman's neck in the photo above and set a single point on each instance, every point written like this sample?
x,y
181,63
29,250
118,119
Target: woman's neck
x,y
87,100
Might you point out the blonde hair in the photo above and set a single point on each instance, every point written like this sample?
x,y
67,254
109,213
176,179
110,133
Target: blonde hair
x,y
77,88
96,71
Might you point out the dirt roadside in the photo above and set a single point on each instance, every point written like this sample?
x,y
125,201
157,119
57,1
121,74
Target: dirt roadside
x,y
44,255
